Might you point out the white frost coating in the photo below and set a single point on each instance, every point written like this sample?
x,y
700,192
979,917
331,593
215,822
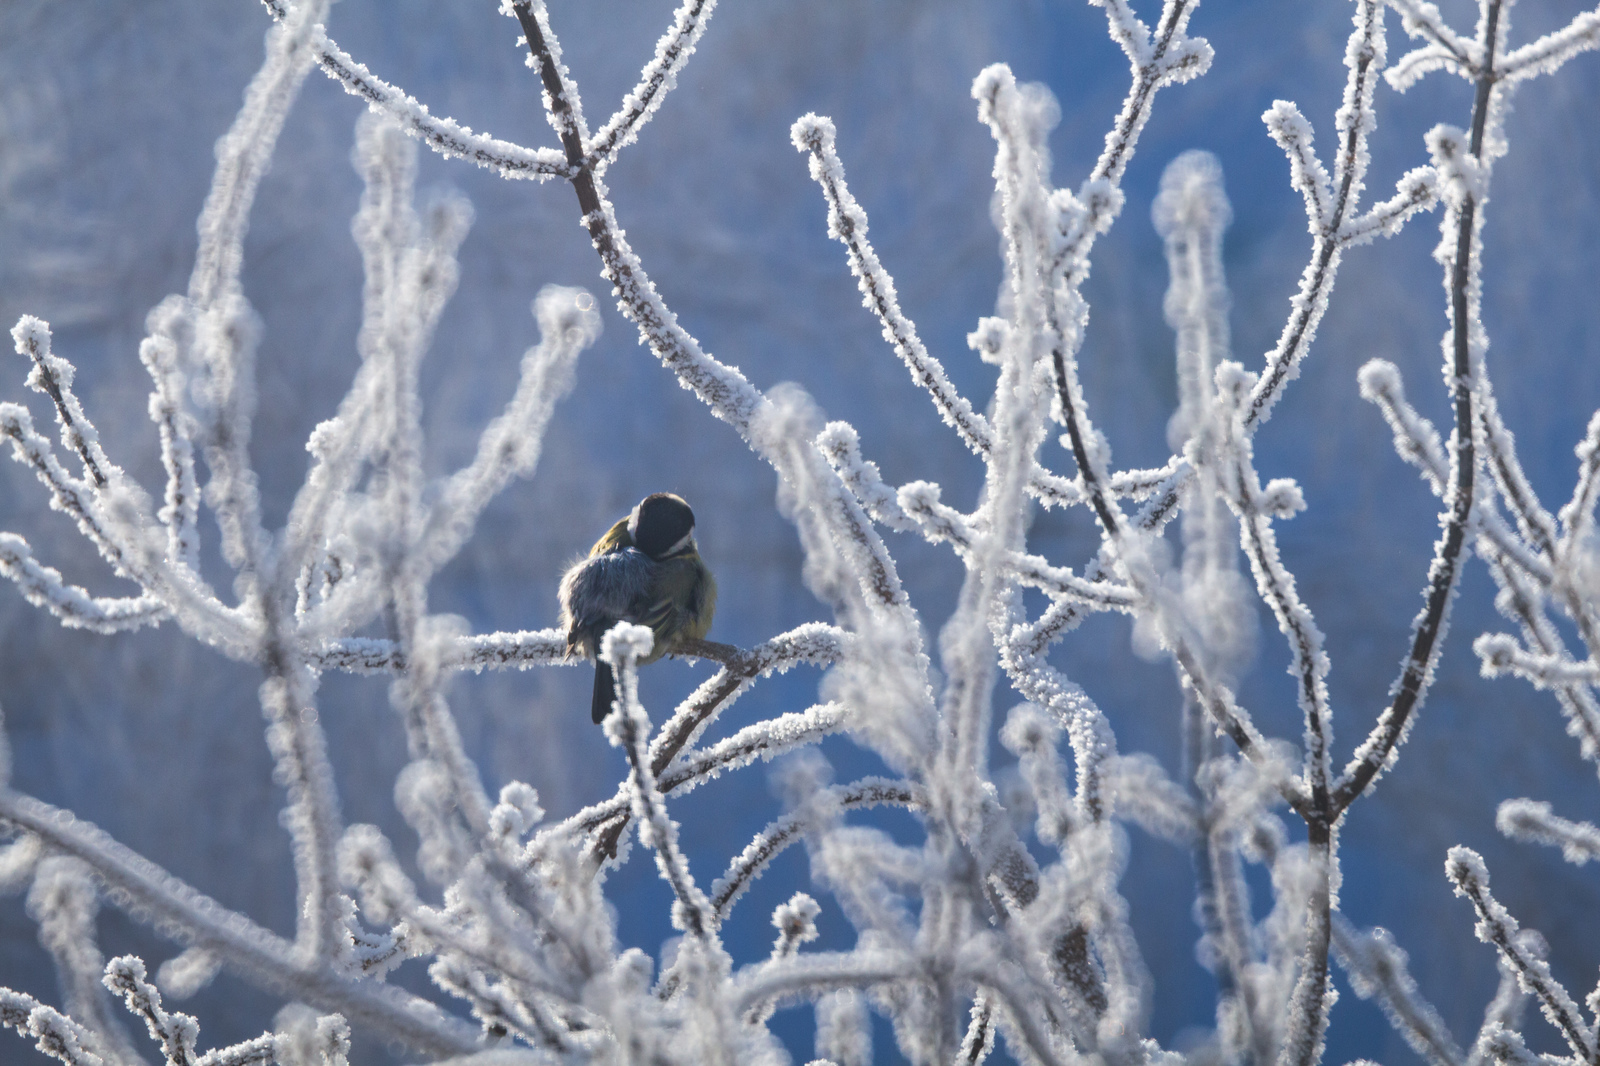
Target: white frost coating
x,y
43,586
765,740
955,914
1534,822
1289,128
1377,967
1415,439
622,647
844,1030
1500,653
1254,509
444,135
1417,190
840,444
1548,53
1577,517
1444,48
58,1036
847,223
659,77
569,322
1496,926
52,376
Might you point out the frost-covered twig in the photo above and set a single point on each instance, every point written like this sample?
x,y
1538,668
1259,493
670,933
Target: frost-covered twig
x,y
445,136
509,447
136,883
624,645
1463,163
1497,927
56,1034
1500,653
76,607
771,841
847,223
64,901
1377,969
764,740
1548,53
177,1033
1330,208
53,376
1533,821
658,77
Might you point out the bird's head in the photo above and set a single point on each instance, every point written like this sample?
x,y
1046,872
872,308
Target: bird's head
x,y
662,525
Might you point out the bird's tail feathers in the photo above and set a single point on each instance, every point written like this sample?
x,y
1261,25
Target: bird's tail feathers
x,y
605,692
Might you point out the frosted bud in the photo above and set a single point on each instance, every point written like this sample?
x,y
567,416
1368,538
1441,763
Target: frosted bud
x,y
1282,498
632,971
1452,158
172,319
320,442
796,920
32,337
449,215
18,860
333,1039
1466,870
797,917
920,497
1187,59
1191,195
569,313
1103,201
1234,383
1069,212
990,339
1379,379
812,132
840,444
626,641
1496,652
184,975
15,421
1028,729
517,812
367,864
991,83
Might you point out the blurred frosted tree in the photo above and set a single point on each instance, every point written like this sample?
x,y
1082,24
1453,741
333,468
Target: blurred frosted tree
x,y
1004,914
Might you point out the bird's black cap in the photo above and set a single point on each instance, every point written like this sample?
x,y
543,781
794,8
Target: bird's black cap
x,y
659,523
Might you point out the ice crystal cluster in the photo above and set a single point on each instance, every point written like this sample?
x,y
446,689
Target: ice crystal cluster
x,y
1002,929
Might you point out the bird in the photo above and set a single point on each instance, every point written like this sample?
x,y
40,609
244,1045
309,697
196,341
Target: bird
x,y
647,570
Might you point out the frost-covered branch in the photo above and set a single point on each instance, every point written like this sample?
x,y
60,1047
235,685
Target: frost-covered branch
x,y
658,78
1377,969
1533,821
137,884
445,136
1497,927
771,841
964,931
1463,164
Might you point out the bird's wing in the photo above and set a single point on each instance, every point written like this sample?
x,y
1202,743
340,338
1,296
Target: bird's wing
x,y
603,588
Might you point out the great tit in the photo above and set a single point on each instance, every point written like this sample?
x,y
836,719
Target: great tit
x,y
645,570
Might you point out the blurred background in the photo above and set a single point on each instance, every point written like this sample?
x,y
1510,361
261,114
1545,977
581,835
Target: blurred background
x,y
108,115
